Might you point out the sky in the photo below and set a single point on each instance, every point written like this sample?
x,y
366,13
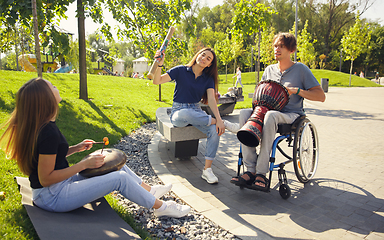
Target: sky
x,y
70,25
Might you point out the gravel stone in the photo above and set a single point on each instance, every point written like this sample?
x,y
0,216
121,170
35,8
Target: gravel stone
x,y
195,225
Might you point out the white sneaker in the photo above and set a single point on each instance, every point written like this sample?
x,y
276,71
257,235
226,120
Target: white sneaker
x,y
159,190
173,209
209,176
232,127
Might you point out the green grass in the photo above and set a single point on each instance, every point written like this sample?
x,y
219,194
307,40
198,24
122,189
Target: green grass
x,y
117,107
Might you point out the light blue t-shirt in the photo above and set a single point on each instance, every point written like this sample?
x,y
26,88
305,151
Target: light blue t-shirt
x,y
299,75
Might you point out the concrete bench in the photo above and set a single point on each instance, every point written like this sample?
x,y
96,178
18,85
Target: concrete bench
x,y
95,220
184,140
226,102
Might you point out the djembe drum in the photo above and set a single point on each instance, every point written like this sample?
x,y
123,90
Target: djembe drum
x,y
114,160
269,95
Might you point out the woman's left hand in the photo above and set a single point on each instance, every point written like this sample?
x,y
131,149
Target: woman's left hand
x,y
85,145
220,128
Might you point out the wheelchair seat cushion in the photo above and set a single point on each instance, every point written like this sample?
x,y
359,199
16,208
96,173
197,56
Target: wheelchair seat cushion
x,y
286,128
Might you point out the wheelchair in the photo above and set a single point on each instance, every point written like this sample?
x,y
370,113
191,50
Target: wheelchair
x,y
302,136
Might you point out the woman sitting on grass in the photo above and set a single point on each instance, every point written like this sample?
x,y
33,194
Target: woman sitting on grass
x,y
36,143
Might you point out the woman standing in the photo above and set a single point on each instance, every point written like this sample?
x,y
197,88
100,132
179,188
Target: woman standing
x,y
33,139
238,75
197,81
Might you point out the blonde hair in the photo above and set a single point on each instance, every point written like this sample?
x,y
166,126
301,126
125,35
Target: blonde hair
x,y
36,105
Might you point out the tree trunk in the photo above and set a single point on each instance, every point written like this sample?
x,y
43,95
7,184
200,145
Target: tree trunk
x,y
37,43
159,92
226,73
258,57
350,72
82,51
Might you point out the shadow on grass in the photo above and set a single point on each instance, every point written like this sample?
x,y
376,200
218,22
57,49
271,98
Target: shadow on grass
x,y
75,129
141,115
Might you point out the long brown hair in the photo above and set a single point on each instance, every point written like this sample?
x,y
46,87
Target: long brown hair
x,y
36,105
210,71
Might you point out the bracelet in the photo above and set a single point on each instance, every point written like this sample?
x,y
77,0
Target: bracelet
x,y
160,65
298,90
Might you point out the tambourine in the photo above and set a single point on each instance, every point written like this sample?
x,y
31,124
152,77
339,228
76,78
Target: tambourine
x,y
114,160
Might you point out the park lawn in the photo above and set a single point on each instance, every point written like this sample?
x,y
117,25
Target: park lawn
x,y
336,79
117,106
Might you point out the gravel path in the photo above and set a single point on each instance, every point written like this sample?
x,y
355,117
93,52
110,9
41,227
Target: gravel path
x,y
192,226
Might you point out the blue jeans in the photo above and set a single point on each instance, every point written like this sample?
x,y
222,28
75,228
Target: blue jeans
x,y
76,191
184,114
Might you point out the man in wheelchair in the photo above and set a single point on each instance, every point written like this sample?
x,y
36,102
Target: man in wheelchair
x,y
300,83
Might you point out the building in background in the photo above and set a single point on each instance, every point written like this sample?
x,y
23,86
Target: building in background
x,y
141,66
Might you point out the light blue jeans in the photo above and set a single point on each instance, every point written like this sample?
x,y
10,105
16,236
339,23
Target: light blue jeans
x,y
184,114
76,191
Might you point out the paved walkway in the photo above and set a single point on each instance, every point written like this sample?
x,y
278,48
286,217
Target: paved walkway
x,y
345,200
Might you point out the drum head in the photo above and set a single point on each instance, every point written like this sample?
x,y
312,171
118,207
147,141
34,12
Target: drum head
x,y
114,160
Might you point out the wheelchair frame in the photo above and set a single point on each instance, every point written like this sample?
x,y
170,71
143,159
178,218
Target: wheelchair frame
x,y
305,154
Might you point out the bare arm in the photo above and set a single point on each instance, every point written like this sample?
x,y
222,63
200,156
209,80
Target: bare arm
x,y
313,94
220,128
158,78
84,145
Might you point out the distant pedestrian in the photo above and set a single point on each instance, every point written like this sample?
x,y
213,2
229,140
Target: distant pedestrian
x,y
361,74
238,75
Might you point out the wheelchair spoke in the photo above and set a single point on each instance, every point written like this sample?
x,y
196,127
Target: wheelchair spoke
x,y
306,152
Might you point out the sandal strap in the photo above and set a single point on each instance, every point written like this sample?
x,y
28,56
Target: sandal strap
x,y
251,176
260,181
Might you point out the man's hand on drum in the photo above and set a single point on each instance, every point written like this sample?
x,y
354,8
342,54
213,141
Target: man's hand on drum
x,y
292,90
93,160
85,145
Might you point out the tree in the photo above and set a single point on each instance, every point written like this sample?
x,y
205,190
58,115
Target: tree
x,y
266,49
328,20
305,49
375,58
224,53
250,17
19,13
285,14
237,50
355,42
37,43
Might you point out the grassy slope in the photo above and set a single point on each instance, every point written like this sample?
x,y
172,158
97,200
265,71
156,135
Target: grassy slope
x,y
117,107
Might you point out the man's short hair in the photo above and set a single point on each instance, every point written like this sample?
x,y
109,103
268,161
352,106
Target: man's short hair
x,y
288,39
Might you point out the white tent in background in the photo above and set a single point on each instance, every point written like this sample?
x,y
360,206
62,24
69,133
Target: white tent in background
x,y
141,65
119,66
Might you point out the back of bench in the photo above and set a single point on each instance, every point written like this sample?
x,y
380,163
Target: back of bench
x,y
172,133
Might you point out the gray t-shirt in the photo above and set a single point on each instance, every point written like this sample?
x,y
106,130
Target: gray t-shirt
x,y
299,75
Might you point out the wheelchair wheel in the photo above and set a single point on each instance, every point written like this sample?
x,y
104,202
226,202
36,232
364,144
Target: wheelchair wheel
x,y
305,151
285,191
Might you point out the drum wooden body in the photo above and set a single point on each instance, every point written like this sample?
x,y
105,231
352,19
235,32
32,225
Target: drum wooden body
x,y
269,95
114,160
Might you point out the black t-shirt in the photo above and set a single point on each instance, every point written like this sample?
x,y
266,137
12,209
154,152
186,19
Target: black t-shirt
x,y
50,141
